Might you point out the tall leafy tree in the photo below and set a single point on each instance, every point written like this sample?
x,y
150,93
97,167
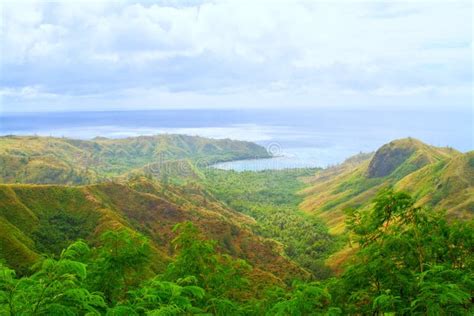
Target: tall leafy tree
x,y
119,264
56,288
219,275
411,260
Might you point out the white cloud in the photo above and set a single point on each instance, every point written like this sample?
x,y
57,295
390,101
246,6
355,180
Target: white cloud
x,y
400,91
237,49
26,92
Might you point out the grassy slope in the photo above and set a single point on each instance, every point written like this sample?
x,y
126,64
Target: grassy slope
x,y
447,184
398,163
439,177
49,160
37,218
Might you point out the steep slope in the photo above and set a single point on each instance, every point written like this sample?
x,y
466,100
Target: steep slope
x,y
398,163
49,160
403,156
447,184
43,218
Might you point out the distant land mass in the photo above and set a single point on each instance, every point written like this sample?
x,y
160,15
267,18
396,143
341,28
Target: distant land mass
x,y
303,137
31,159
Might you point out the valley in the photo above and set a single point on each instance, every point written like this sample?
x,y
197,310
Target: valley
x,y
292,237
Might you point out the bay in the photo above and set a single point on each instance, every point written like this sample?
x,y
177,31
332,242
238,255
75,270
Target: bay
x,y
299,138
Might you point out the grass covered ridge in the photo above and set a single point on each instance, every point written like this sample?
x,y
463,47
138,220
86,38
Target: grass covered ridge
x,y
50,160
441,177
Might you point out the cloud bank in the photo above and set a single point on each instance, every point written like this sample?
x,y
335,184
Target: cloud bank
x,y
89,55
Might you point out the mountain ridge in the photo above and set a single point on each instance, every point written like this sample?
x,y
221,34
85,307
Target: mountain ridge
x,y
42,160
355,182
441,178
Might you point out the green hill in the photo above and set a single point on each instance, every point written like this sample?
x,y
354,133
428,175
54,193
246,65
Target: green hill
x,y
45,218
436,176
447,184
401,157
49,160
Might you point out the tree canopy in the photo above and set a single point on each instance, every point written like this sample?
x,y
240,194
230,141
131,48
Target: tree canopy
x,y
410,260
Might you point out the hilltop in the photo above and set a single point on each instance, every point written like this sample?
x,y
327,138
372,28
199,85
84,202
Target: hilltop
x,y
442,178
50,160
437,176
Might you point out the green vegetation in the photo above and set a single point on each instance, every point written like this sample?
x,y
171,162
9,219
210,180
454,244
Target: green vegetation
x,y
28,159
441,177
411,261
57,231
167,237
114,278
271,198
43,218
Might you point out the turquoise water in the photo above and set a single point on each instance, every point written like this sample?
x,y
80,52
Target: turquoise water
x,y
300,138
299,157
278,163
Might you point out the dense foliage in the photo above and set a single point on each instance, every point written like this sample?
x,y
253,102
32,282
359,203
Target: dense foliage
x,y
271,198
411,260
114,278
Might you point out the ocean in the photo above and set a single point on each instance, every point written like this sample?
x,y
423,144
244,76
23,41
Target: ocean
x,y
299,138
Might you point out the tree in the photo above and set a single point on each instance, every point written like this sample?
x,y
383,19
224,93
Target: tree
x,y
411,260
305,299
119,264
219,275
57,288
156,296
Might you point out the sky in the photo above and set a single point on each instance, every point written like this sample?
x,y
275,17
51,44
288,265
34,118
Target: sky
x,y
106,55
